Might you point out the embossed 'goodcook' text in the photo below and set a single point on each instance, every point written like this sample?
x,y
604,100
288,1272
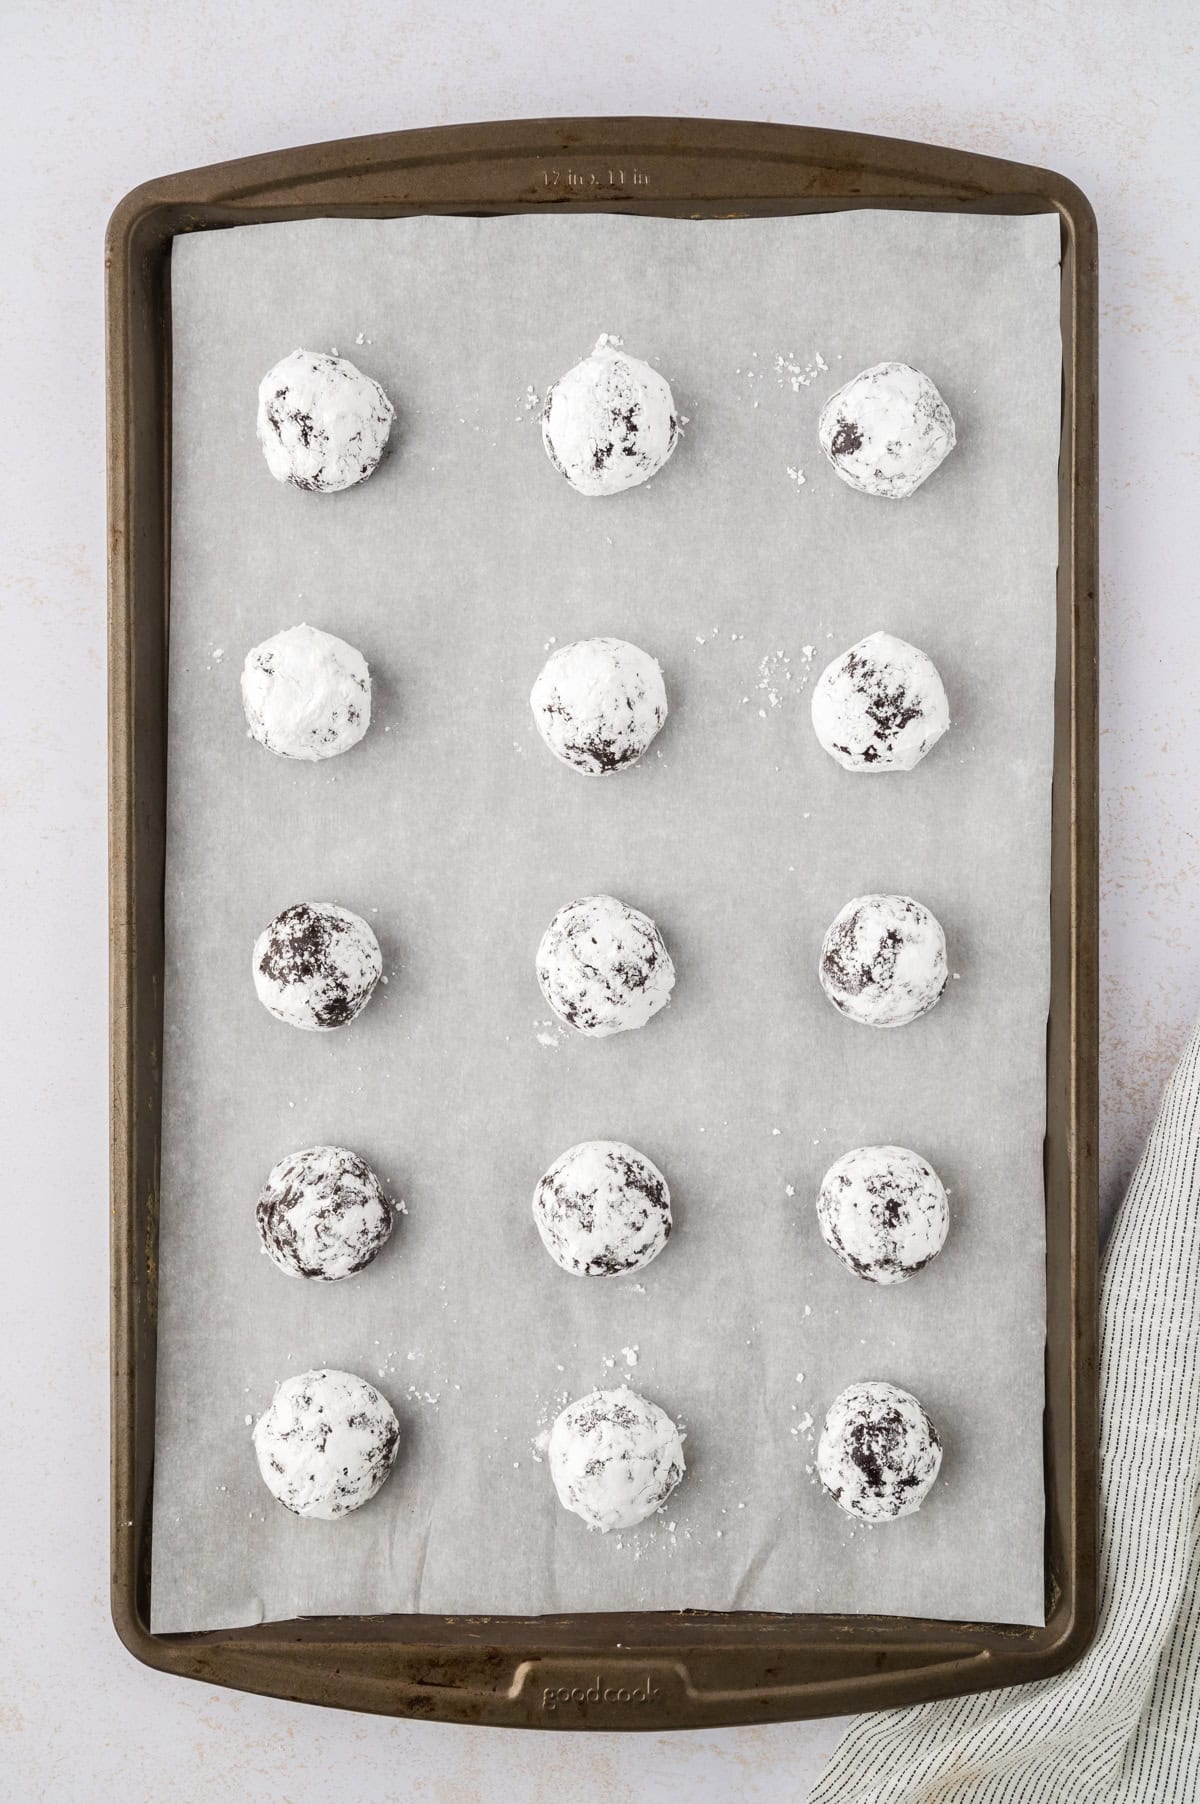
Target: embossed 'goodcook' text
x,y
598,1693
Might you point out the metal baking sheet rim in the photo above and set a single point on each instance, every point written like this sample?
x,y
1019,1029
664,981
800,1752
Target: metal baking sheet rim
x,y
645,1671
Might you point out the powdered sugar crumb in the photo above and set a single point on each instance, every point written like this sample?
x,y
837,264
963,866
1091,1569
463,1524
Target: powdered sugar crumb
x,y
790,372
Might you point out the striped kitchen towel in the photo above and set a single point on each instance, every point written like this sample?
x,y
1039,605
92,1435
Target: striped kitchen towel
x,y
1124,1723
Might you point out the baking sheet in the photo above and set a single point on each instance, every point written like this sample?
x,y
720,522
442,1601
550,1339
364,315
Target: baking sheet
x,y
455,569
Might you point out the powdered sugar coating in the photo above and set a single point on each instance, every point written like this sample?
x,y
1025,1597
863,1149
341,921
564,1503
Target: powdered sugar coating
x,y
602,1209
883,961
599,703
883,1211
316,965
887,430
323,1214
879,1453
306,694
880,706
326,1443
615,1458
603,968
322,423
609,423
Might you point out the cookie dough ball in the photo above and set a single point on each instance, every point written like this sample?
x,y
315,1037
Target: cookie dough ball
x,y
603,968
306,694
602,1208
323,1214
880,706
316,965
599,703
322,424
883,961
615,1458
326,1444
883,1211
610,422
879,1453
886,431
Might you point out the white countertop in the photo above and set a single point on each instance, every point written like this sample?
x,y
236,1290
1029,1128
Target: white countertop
x,y
108,94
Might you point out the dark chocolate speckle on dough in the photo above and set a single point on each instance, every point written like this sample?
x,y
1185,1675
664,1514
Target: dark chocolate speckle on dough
x,y
849,973
889,706
846,440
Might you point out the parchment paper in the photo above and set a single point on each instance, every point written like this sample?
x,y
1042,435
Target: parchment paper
x,y
454,831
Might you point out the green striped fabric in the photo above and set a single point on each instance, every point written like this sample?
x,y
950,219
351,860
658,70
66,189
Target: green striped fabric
x,y
1124,1723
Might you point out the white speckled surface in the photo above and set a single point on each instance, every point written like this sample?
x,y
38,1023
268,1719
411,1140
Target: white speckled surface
x,y
107,94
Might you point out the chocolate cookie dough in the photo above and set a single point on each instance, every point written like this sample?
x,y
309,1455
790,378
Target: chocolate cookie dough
x,y
886,431
883,961
603,967
879,1453
316,965
883,1211
610,422
326,1444
306,694
322,424
599,703
323,1214
602,1208
880,706
615,1458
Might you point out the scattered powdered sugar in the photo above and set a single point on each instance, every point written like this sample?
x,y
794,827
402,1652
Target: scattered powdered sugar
x,y
715,633
797,475
790,372
548,1412
780,675
529,402
751,376
773,669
